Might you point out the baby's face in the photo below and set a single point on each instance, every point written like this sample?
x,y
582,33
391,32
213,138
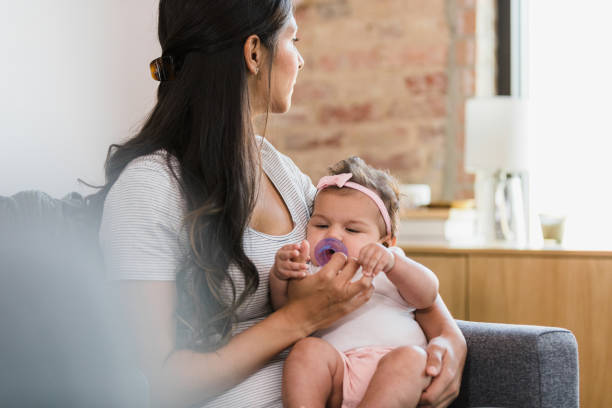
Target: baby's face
x,y
347,215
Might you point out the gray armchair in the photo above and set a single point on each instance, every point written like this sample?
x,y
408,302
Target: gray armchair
x,y
518,366
507,365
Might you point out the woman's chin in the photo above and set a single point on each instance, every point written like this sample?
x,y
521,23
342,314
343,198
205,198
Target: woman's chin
x,y
281,107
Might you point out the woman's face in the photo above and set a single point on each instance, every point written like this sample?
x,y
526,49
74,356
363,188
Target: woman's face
x,y
347,215
285,66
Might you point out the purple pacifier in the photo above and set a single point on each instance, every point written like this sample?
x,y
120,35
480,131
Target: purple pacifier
x,y
326,248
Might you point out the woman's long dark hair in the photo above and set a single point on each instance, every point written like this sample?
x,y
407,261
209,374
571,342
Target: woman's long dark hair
x,y
202,119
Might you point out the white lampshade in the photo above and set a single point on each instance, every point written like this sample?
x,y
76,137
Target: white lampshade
x,y
496,134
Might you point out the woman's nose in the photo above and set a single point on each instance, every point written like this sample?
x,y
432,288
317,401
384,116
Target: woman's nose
x,y
300,61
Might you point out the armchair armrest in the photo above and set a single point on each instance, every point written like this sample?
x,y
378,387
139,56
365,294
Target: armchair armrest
x,y
518,366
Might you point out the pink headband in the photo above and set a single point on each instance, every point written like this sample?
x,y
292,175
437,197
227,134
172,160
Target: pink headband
x,y
342,180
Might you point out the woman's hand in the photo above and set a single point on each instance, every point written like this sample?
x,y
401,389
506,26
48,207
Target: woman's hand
x,y
445,362
446,353
319,300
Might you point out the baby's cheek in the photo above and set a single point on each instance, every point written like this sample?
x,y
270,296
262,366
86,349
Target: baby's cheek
x,y
353,250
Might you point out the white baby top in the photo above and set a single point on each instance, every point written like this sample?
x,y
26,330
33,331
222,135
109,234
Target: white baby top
x,y
385,320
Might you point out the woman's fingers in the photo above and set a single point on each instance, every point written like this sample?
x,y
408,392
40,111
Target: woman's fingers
x,y
435,356
348,270
440,393
425,403
342,271
361,288
332,268
445,384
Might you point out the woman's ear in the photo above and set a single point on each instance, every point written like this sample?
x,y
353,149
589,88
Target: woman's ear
x,y
253,54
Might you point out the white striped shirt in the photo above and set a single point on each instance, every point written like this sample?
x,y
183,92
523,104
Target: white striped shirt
x,y
141,239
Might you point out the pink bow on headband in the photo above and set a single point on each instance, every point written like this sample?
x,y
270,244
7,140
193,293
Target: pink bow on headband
x,y
342,180
338,180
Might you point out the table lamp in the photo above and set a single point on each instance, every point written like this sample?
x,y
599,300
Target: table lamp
x,y
496,151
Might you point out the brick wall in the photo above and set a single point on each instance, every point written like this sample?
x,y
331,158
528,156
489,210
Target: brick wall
x,y
385,80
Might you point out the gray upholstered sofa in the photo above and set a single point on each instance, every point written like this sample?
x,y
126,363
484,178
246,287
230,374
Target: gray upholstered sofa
x,y
518,366
56,280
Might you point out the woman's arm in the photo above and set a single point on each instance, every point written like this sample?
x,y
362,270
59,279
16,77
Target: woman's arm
x,y
184,378
446,352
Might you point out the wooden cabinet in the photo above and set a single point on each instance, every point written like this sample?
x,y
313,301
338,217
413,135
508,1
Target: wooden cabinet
x,y
570,289
451,272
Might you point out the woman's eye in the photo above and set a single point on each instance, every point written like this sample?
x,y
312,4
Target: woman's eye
x,y
296,39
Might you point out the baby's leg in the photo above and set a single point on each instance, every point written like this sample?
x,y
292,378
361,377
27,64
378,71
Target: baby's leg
x,y
399,379
313,374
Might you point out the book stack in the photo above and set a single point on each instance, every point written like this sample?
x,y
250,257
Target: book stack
x,y
437,225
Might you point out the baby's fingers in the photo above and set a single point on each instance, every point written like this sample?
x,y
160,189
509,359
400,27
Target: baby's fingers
x,y
370,260
381,265
365,256
291,269
286,254
290,274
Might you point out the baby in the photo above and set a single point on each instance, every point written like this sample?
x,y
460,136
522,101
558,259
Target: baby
x,y
358,205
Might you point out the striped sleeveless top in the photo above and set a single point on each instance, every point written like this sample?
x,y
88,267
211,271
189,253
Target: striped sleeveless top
x,y
141,239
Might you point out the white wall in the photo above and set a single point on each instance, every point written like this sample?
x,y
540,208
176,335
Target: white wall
x,y
74,78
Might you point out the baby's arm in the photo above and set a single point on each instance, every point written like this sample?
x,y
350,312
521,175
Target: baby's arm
x,y
415,283
289,263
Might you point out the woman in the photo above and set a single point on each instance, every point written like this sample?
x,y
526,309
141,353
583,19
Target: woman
x,y
196,207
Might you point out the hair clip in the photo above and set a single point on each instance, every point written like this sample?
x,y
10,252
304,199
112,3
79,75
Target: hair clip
x,y
163,68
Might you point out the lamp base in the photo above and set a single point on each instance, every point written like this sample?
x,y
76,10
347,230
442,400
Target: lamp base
x,y
502,207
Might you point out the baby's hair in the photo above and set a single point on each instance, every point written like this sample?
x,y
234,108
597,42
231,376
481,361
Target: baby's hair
x,y
380,181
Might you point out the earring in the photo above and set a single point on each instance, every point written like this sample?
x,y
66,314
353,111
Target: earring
x,y
256,70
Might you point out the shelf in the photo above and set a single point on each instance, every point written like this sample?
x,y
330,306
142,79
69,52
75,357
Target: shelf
x,y
500,249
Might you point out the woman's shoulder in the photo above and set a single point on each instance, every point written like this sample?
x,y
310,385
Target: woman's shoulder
x,y
149,181
158,168
158,161
272,155
141,222
277,164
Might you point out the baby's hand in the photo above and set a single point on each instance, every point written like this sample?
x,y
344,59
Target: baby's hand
x,y
290,261
374,258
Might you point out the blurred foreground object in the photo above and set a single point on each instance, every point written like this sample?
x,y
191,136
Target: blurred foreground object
x,y
61,341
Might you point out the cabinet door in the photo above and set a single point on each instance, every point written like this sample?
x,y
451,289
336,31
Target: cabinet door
x,y
570,292
451,272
